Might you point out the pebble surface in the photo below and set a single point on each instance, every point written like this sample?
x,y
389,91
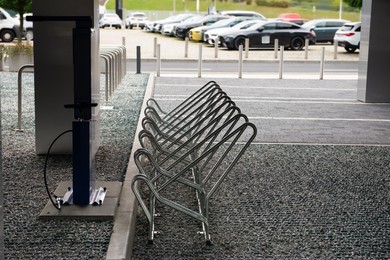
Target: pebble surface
x,y
27,237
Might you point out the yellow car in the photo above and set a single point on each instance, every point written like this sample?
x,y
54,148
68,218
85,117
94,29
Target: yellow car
x,y
196,34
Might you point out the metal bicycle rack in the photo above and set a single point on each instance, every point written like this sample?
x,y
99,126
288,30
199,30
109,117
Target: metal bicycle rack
x,y
191,148
115,66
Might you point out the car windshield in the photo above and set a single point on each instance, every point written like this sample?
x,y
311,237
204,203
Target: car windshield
x,y
139,15
194,19
244,24
256,26
224,22
310,24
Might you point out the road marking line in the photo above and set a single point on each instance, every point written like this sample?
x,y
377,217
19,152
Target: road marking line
x,y
320,119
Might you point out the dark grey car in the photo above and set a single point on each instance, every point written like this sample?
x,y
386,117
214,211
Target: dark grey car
x,y
324,28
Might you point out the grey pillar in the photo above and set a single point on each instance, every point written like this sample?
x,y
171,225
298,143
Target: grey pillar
x,y
54,79
374,53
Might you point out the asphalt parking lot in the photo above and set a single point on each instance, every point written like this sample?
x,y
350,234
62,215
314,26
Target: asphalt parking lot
x,y
173,48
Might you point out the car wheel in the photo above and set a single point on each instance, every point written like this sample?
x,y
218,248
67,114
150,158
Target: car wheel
x,y
131,27
240,40
350,49
297,43
7,35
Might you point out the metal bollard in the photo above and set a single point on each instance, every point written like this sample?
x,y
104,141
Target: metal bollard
x,y
123,41
154,47
276,48
246,48
158,69
322,63
335,44
306,48
186,48
200,62
216,42
240,64
281,62
138,59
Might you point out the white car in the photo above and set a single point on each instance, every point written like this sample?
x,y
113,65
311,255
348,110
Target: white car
x,y
136,19
110,20
348,36
212,34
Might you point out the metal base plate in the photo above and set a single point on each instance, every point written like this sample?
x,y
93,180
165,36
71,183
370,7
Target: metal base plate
x,y
96,198
105,211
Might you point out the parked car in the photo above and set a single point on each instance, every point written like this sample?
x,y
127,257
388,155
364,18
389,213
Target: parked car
x,y
263,35
292,18
9,25
348,36
110,20
211,35
136,19
197,33
182,30
176,19
242,13
325,29
167,28
153,26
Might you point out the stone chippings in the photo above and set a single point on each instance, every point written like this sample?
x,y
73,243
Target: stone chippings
x,y
286,202
27,237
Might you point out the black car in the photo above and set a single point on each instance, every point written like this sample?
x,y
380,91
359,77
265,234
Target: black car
x,y
182,30
263,35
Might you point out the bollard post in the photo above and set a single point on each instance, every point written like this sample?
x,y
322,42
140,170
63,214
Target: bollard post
x,y
281,62
186,48
200,62
322,63
276,48
138,59
335,44
124,41
246,48
155,47
216,42
306,49
158,69
240,64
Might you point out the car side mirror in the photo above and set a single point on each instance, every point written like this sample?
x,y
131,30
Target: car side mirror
x,y
260,29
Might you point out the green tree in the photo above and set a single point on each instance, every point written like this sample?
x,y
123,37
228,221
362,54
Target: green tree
x,y
354,3
21,7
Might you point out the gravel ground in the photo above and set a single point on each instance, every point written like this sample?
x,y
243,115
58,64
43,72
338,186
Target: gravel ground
x,y
287,202
27,237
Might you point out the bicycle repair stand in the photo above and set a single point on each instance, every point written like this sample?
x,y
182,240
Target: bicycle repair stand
x,y
83,190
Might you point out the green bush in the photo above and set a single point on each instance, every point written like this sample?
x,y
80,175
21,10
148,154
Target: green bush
x,y
273,3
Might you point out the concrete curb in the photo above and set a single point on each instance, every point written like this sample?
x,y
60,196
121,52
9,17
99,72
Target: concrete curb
x,y
121,241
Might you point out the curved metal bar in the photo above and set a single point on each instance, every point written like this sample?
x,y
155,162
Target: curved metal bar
x,y
21,69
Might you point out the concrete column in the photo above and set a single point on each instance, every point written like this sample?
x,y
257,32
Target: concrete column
x,y
54,78
374,53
